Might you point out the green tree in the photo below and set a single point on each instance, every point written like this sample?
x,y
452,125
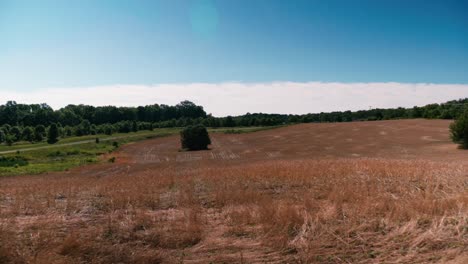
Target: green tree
x,y
195,138
229,122
84,128
459,130
9,139
52,134
93,130
28,134
2,136
67,131
108,129
16,133
6,128
39,132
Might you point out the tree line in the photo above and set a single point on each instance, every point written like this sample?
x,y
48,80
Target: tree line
x,y
33,122
15,114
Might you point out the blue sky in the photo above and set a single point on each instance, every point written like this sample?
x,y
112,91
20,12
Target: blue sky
x,y
88,43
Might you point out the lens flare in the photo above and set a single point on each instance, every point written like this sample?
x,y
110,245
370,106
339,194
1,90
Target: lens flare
x,y
204,18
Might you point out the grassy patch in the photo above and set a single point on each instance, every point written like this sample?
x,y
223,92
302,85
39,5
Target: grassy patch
x,y
102,137
45,160
60,157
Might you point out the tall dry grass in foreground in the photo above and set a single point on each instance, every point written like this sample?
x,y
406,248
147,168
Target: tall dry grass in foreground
x,y
305,211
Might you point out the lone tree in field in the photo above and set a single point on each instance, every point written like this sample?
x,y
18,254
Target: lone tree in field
x,y
459,130
195,138
52,135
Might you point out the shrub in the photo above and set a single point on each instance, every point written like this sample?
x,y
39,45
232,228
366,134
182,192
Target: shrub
x,y
459,130
28,134
68,132
39,132
2,136
16,132
13,161
9,139
195,138
108,129
55,154
52,135
233,131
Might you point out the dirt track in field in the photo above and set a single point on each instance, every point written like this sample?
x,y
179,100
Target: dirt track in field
x,y
402,139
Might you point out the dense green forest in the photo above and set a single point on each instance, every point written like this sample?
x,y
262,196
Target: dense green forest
x,y
33,122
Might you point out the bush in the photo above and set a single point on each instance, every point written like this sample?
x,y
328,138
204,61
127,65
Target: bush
x,y
52,135
459,130
55,154
9,139
233,131
108,129
13,161
39,132
68,131
195,138
2,136
16,132
28,134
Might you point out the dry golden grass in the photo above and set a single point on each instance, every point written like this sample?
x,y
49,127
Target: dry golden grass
x,y
302,194
295,211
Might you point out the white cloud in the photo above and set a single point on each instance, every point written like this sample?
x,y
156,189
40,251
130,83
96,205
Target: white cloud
x,y
234,98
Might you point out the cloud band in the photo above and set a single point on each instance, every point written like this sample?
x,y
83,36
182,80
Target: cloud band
x,y
235,98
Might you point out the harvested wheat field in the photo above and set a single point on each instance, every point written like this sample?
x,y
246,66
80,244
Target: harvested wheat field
x,y
361,192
